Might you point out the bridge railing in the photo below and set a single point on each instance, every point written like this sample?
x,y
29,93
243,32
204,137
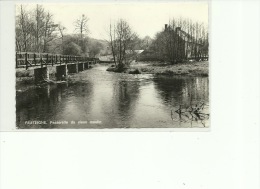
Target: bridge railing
x,y
30,59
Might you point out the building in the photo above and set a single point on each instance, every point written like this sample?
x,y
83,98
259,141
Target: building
x,y
175,45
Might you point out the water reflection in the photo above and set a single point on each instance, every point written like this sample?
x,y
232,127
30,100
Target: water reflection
x,y
189,95
182,90
125,97
116,100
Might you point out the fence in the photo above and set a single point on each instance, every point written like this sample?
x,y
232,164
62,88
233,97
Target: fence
x,y
30,59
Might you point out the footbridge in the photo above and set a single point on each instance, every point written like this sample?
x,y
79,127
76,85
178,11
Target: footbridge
x,y
41,62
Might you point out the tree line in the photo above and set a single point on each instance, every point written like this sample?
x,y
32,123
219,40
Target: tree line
x,y
180,40
36,31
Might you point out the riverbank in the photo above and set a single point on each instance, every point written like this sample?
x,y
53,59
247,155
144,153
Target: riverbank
x,y
191,68
25,78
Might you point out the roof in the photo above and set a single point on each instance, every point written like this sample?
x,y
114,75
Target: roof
x,y
136,51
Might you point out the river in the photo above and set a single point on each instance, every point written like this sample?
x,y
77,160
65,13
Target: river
x,y
99,99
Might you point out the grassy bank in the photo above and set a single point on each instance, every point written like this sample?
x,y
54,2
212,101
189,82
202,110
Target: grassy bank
x,y
191,68
159,68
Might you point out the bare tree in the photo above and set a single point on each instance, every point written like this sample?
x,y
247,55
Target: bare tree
x,y
121,40
61,30
22,30
49,29
112,41
35,30
39,26
81,27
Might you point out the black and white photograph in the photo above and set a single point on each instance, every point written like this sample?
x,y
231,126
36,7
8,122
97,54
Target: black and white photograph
x,y
95,66
135,94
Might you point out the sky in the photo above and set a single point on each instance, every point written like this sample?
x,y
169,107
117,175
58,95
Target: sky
x,y
144,18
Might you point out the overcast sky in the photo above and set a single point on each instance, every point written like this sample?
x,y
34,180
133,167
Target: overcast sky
x,y
145,18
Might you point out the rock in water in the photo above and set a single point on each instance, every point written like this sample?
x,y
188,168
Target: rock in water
x,y
134,71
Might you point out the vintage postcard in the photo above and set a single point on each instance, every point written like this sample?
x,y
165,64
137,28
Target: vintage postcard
x,y
81,83
112,65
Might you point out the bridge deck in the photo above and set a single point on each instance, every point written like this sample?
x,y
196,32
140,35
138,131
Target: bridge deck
x,y
30,59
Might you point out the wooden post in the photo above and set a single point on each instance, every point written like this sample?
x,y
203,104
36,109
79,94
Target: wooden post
x,y
47,59
34,58
16,59
25,59
52,60
41,60
56,59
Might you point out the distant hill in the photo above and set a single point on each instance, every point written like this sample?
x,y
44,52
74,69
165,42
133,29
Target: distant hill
x,y
105,49
90,46
72,44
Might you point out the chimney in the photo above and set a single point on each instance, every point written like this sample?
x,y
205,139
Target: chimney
x,y
177,30
165,25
